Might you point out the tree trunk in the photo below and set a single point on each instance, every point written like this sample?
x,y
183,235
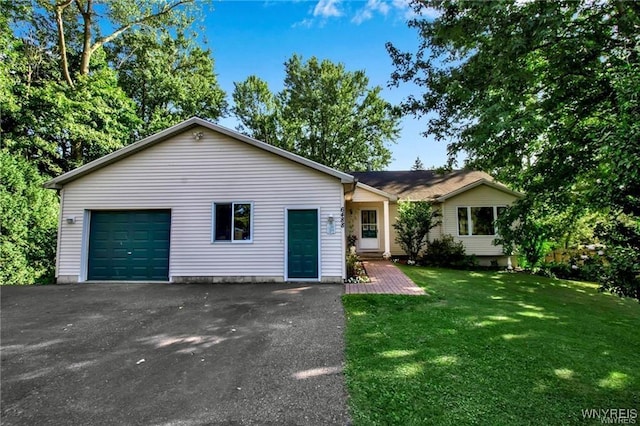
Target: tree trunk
x,y
62,44
86,36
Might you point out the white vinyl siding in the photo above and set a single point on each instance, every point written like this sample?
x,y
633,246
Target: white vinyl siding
x,y
187,176
480,196
362,195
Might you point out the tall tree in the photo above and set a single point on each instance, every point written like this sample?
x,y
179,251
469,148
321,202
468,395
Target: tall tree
x,y
86,20
72,105
324,112
28,222
544,95
168,76
417,165
257,109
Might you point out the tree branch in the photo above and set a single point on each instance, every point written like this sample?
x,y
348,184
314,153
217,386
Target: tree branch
x,y
60,7
86,36
166,10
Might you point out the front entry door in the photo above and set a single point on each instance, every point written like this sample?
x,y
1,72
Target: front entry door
x,y
302,244
369,230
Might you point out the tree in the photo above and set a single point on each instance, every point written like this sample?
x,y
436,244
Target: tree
x,y
78,21
168,76
60,127
324,113
415,220
72,106
257,109
542,94
417,165
28,214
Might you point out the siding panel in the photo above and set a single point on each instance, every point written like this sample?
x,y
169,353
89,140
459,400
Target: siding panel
x,y
482,195
186,176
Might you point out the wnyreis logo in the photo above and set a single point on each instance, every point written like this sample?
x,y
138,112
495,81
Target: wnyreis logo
x,y
612,415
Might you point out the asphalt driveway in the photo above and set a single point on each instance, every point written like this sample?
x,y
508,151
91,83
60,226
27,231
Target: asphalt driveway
x,y
172,354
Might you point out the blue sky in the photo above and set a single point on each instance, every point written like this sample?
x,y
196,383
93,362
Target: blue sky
x,y
257,37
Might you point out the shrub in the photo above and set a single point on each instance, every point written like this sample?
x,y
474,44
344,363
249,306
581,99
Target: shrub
x,y
445,252
415,220
355,269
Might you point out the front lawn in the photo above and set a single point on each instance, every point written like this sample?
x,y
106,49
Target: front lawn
x,y
491,348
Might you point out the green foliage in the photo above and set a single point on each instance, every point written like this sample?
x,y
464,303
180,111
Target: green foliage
x,y
543,94
524,231
79,29
324,113
169,77
355,269
622,273
415,220
63,127
257,109
446,252
28,214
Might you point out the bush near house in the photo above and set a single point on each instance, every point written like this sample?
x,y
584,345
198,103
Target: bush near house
x,y
446,252
415,220
355,269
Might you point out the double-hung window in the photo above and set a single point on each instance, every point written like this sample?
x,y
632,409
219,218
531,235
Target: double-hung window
x,y
232,222
478,220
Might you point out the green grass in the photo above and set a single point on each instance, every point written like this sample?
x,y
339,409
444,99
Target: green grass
x,y
491,348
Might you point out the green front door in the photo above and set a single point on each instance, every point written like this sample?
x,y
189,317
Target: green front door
x,y
302,244
129,245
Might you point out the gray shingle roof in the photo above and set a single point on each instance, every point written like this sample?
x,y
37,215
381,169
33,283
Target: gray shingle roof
x,y
422,184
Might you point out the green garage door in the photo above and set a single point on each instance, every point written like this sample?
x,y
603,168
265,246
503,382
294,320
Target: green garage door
x,y
302,244
129,245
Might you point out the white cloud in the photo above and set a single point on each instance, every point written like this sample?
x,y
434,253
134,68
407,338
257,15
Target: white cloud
x,y
305,23
327,9
408,11
369,9
361,16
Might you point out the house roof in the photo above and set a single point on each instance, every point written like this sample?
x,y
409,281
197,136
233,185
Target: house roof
x,y
193,122
428,184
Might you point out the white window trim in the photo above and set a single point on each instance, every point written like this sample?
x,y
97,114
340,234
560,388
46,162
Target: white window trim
x,y
232,240
470,222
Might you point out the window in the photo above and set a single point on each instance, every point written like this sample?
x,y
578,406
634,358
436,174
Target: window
x,y
369,224
463,221
478,220
232,222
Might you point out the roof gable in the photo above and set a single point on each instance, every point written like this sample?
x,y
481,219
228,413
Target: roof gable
x,y
428,184
184,126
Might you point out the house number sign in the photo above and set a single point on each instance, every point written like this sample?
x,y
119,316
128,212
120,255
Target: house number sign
x,y
341,217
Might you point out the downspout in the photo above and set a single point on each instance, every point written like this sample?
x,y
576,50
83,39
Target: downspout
x,y
60,213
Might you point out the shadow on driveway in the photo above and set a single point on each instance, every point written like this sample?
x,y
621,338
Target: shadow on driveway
x,y
172,354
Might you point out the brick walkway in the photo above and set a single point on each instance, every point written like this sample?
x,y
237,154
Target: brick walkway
x,y
385,279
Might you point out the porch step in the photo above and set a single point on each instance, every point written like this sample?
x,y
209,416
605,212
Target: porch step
x,y
370,255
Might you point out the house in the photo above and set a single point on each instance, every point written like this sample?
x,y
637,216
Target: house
x,y
469,202
201,203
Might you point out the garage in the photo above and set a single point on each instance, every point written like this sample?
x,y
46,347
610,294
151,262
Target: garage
x,y
129,245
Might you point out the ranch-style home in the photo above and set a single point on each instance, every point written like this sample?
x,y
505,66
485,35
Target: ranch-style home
x,y
202,203
468,201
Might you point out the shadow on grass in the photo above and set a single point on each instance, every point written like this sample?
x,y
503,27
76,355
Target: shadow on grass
x,y
490,348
